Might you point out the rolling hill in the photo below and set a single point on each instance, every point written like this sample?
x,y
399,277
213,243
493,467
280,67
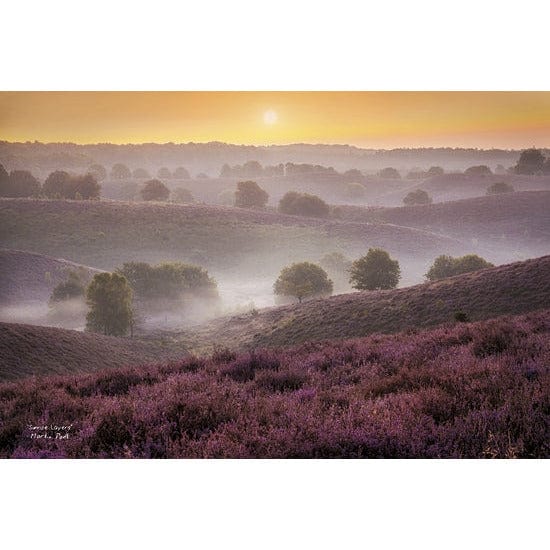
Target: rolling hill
x,y
104,234
510,289
28,350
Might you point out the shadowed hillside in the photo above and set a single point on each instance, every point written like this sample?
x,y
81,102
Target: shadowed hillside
x,y
508,289
31,350
477,390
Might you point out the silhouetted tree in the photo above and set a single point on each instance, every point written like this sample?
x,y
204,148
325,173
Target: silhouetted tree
x,y
109,297
417,197
303,204
481,170
249,195
435,171
389,173
56,184
303,280
19,183
181,173
500,187
120,171
353,175
60,184
155,190
98,171
141,174
375,271
447,266
164,173
530,162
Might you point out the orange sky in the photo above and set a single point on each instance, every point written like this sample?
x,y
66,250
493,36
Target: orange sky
x,y
366,119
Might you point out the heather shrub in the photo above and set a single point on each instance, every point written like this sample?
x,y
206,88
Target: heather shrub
x,y
112,434
244,367
280,381
461,317
494,338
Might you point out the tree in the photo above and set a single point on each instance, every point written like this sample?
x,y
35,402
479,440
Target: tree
x,y
435,171
303,204
354,191
226,171
546,166
98,171
155,190
249,195
182,195
447,266
375,271
164,173
19,183
181,173
417,197
86,187
389,173
530,162
500,187
141,174
109,297
303,280
120,171
481,170
68,290
353,175
56,183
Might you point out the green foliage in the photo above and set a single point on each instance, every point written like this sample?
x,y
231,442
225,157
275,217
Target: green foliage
x,y
481,170
389,173
120,171
530,162
500,187
303,204
109,297
250,195
155,190
60,184
417,197
447,266
375,271
303,280
19,183
69,289
168,280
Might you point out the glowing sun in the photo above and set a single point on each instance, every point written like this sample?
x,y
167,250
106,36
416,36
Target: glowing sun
x,y
270,117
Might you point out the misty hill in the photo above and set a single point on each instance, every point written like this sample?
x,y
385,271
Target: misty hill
x,y
209,157
510,289
513,222
31,277
28,350
104,234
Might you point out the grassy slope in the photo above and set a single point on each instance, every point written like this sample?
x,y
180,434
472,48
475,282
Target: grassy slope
x,y
104,233
25,276
27,350
509,289
512,219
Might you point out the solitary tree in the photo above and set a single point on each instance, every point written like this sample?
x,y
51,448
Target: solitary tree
x,y
530,162
181,173
303,204
68,290
435,171
500,187
375,271
249,195
303,280
120,171
417,197
155,190
447,266
389,173
109,297
481,170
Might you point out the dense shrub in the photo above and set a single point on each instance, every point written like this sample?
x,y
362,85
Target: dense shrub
x,y
250,195
417,197
303,204
481,170
155,190
389,173
447,266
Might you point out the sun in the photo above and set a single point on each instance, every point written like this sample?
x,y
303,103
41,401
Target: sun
x,y
270,117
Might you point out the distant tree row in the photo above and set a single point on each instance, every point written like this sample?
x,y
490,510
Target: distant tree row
x,y
59,184
121,171
253,169
374,271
